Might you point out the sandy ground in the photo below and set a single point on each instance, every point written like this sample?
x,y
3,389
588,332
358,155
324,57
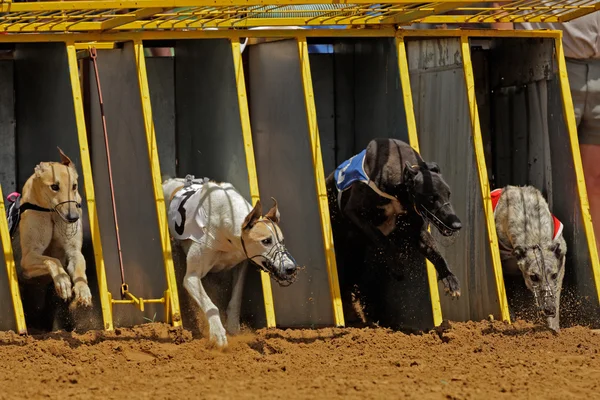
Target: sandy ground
x,y
469,360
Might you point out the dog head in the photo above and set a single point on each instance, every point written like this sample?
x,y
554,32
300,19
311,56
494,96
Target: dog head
x,y
431,196
543,268
56,185
264,244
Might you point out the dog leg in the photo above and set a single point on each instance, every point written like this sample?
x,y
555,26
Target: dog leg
x,y
199,263
76,269
35,265
428,248
235,304
354,211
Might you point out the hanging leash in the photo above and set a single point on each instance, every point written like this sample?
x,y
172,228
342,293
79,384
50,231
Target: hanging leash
x,y
93,56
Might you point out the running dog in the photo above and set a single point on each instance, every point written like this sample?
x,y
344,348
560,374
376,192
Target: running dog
x,y
531,242
218,229
46,229
385,197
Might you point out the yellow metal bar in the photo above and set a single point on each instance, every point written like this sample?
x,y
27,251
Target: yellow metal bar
x,y
88,183
483,178
315,146
73,5
269,33
11,271
129,18
240,82
413,138
97,45
421,12
569,115
157,184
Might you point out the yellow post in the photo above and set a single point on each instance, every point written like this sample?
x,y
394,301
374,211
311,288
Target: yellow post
x,y
240,82
413,138
315,145
483,178
88,184
569,115
11,271
157,185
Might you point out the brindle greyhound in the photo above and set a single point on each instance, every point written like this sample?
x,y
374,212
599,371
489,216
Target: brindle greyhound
x,y
385,187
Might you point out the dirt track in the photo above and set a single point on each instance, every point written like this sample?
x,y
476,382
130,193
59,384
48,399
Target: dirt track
x,y
470,360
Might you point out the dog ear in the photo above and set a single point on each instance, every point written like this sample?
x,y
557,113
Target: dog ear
x,y
273,213
253,216
555,248
40,169
409,173
63,158
433,167
519,253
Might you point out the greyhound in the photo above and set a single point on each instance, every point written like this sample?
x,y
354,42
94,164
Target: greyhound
x,y
385,187
46,229
531,242
218,229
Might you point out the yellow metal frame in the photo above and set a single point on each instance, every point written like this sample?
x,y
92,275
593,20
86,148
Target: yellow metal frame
x,y
569,115
11,271
413,138
315,146
171,296
483,178
88,183
240,82
133,15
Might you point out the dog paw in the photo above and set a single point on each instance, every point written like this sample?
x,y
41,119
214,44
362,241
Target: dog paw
x,y
451,286
62,284
218,334
83,295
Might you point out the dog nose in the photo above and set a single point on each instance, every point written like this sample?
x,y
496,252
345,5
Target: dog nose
x,y
72,218
550,310
456,225
290,271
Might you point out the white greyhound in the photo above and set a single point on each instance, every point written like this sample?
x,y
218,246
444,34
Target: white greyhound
x,y
218,229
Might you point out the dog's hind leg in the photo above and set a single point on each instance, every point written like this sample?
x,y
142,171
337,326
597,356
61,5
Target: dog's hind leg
x,y
199,262
235,304
428,248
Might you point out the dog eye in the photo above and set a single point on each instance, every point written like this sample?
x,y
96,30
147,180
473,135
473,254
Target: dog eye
x,y
267,242
74,186
55,187
534,278
554,276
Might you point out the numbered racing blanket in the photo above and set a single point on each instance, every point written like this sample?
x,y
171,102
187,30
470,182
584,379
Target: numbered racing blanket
x,y
187,219
350,171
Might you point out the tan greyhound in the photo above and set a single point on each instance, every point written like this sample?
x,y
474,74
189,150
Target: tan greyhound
x,y
49,235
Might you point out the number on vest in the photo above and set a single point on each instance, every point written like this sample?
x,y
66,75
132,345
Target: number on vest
x,y
186,196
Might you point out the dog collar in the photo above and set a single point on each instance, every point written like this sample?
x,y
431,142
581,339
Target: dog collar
x,y
34,207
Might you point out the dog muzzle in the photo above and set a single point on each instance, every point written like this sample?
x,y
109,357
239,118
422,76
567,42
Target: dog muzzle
x,y
274,263
433,219
57,207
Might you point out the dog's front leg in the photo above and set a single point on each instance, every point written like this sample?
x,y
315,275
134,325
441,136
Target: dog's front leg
x,y
354,210
36,235
76,269
235,304
200,261
428,248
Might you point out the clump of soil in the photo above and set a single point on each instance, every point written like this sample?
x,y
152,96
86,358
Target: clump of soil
x,y
458,361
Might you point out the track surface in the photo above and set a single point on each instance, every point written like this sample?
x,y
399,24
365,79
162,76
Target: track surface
x,y
469,360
